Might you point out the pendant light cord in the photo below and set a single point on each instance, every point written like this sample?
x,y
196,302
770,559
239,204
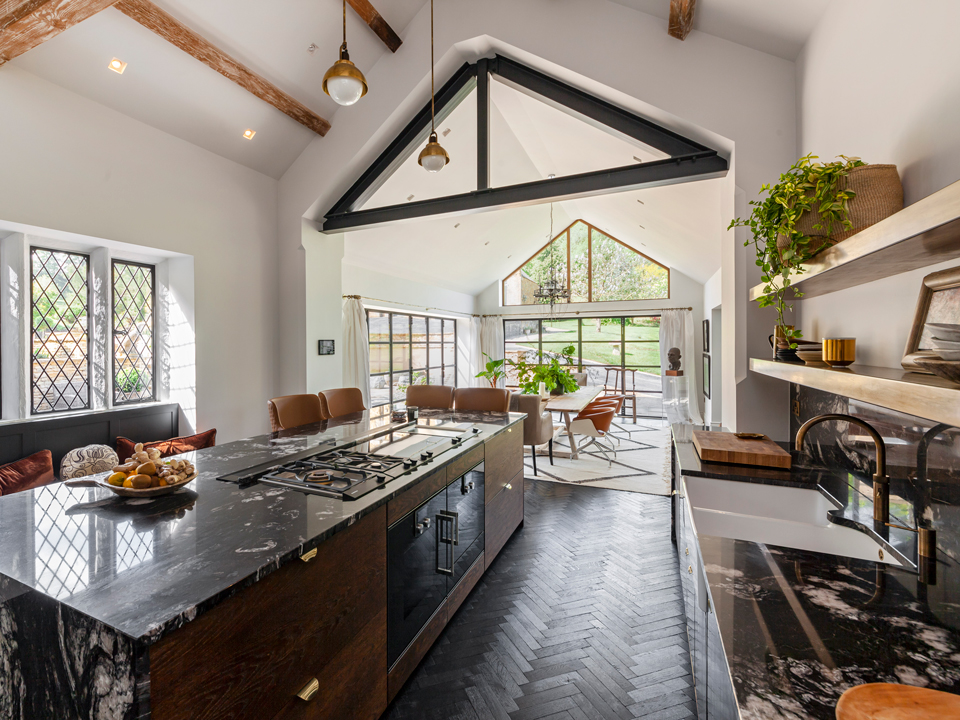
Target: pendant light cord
x,y
433,112
344,24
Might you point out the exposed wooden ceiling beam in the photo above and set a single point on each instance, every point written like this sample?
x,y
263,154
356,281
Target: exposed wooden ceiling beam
x,y
24,24
681,18
176,33
376,22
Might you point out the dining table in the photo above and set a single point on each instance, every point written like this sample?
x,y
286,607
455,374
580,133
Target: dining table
x,y
571,404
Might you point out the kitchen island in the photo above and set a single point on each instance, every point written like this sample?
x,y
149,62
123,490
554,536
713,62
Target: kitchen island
x,y
248,600
779,633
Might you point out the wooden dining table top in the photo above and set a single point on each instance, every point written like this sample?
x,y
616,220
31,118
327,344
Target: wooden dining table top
x,y
575,401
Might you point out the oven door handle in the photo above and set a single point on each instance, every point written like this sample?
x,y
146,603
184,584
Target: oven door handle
x,y
446,538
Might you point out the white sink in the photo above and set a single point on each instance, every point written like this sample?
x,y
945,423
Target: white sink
x,y
785,516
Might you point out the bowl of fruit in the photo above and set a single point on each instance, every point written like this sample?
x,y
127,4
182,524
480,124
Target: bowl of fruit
x,y
144,474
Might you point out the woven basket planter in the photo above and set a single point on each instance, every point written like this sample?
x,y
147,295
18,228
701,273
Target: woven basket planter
x,y
879,195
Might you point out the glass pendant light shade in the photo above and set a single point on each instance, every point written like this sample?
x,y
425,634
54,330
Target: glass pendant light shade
x,y
344,82
433,158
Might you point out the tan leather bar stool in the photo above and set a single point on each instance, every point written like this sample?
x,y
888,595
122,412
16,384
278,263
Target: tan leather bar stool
x,y
291,411
482,399
341,401
430,396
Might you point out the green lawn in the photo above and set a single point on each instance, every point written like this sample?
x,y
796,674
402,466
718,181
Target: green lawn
x,y
604,347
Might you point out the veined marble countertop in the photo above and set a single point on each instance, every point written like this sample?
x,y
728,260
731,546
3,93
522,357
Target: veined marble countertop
x,y
799,628
146,567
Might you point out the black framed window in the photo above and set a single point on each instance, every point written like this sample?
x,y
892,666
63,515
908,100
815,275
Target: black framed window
x,y
408,349
59,304
134,356
621,351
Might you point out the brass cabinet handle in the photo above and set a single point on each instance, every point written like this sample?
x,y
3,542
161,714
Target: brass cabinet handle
x,y
309,690
690,569
309,555
508,486
687,551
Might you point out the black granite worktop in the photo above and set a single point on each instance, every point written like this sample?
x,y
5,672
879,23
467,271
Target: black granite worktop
x,y
145,567
799,628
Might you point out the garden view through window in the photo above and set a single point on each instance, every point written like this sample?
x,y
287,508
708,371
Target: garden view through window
x,y
622,352
593,265
408,350
133,352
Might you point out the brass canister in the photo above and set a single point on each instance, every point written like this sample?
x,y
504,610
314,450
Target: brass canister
x,y
839,352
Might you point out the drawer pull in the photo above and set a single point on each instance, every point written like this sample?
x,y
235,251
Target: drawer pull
x,y
690,569
309,690
687,551
508,486
309,555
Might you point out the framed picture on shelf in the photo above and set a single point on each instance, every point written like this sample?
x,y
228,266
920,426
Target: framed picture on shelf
x,y
939,302
706,336
706,374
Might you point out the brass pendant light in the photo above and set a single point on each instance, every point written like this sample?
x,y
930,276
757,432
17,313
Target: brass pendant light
x,y
433,158
343,81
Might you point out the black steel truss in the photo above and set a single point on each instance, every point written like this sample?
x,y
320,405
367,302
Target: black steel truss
x,y
688,159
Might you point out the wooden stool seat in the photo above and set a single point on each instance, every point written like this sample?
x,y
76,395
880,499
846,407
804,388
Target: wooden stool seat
x,y
889,701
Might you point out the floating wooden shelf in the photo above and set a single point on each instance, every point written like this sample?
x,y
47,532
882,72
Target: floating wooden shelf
x,y
922,234
925,396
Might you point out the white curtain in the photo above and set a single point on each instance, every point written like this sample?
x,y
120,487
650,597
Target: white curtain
x,y
491,340
680,394
476,361
356,348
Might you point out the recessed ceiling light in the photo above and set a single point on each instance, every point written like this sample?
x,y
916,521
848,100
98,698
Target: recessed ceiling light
x,y
641,226
446,132
487,243
248,134
509,256
409,198
640,201
118,66
637,159
456,226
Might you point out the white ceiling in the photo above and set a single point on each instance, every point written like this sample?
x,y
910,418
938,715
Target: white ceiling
x,y
676,225
166,88
776,27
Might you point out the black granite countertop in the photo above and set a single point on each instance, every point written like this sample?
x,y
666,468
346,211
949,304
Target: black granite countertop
x,y
799,628
146,567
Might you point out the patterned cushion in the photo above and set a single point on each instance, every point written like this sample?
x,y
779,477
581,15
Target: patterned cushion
x,y
88,460
30,472
173,446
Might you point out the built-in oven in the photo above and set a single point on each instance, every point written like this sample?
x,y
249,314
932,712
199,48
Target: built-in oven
x,y
428,552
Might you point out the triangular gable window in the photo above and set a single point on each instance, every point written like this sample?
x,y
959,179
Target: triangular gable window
x,y
491,109
594,265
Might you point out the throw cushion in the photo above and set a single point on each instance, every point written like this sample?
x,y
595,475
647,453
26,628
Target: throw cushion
x,y
88,460
173,446
30,472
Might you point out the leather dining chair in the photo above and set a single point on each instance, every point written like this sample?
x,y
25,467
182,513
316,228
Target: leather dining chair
x,y
482,399
537,426
595,424
294,410
340,401
430,396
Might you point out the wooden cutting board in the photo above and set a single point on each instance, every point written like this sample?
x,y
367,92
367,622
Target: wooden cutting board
x,y
724,447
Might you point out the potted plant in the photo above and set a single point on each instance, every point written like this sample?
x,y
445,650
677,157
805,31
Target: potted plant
x,y
552,374
807,210
493,372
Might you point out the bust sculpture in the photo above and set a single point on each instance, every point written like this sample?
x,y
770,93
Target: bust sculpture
x,y
673,357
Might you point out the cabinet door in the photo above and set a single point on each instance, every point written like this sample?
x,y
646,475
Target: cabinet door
x,y
415,588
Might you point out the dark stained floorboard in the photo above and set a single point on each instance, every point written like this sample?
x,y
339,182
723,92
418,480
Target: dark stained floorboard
x,y
580,616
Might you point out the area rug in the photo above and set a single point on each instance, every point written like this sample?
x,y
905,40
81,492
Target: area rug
x,y
641,464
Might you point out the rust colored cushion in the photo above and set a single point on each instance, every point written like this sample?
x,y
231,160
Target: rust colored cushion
x,y
173,446
30,472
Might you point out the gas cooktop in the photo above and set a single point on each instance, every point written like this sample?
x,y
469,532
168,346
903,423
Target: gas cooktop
x,y
353,471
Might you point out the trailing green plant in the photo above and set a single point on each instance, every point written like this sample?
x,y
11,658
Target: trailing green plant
x,y
551,373
494,371
808,186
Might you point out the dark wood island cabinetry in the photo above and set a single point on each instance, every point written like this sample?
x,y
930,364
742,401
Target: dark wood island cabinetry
x,y
258,602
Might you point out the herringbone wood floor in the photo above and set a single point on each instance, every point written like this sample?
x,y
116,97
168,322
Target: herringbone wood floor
x,y
581,616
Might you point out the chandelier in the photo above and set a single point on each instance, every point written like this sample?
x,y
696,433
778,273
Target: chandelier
x,y
551,290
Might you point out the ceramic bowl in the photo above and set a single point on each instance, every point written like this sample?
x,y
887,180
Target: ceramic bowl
x,y
945,344
812,357
947,331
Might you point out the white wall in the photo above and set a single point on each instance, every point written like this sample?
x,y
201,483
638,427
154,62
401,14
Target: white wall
x,y
400,294
880,79
720,90
72,165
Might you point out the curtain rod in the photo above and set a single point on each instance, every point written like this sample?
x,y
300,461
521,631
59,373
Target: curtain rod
x,y
616,313
418,307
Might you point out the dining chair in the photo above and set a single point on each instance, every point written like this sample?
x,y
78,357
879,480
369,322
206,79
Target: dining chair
x,y
482,399
340,401
430,396
595,424
537,426
291,411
